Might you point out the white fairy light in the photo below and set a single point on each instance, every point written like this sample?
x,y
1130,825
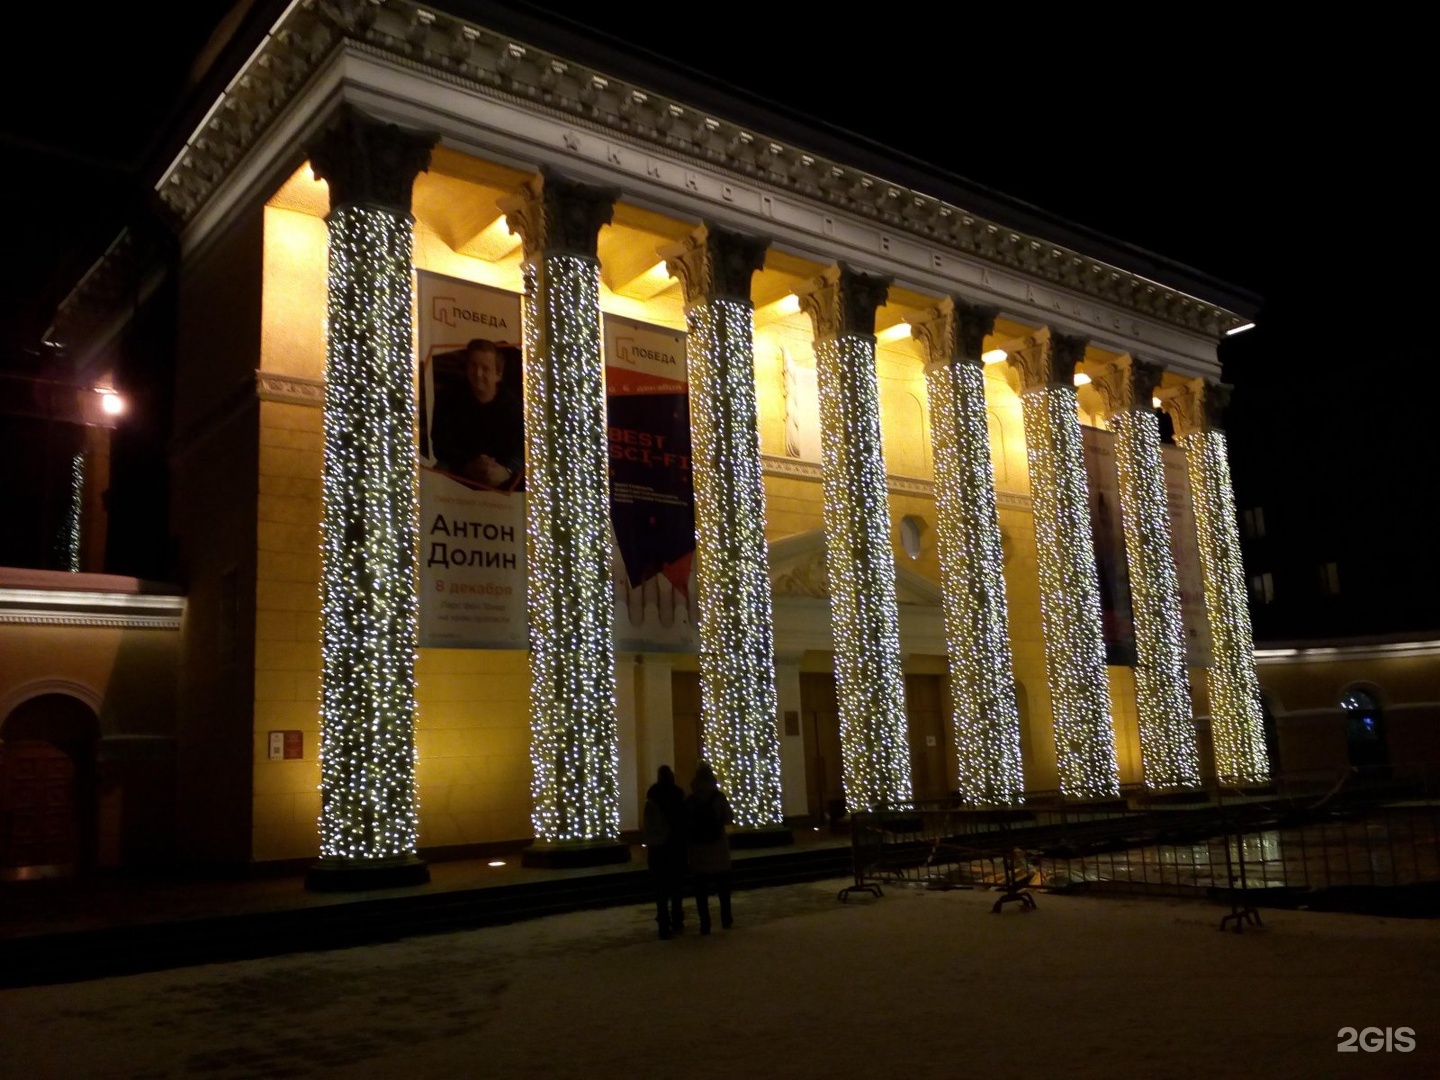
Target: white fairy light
x,y
865,618
574,747
75,513
737,652
1069,594
1167,730
986,717
368,535
1236,723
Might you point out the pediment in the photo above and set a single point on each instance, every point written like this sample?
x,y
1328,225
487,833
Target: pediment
x,y
797,568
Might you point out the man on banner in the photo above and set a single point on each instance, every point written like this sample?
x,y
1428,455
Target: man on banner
x,y
478,427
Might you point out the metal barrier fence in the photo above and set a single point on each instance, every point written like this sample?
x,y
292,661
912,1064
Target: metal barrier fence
x,y
1295,840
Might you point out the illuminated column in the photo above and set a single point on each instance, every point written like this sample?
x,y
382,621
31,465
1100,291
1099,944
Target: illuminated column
x,y
574,747
859,562
1235,720
1167,729
732,576
1069,583
982,683
369,528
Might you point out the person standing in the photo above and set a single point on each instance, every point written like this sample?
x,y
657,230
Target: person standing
x,y
665,849
707,812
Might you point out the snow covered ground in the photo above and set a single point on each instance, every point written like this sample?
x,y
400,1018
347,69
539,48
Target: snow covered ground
x,y
914,984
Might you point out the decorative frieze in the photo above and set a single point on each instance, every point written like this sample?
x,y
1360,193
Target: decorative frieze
x,y
290,389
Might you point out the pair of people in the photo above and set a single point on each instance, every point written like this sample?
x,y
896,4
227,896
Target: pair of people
x,y
688,831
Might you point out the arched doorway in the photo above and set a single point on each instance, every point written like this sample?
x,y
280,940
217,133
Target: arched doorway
x,y
1271,730
1364,729
47,787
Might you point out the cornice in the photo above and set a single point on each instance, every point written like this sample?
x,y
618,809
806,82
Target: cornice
x,y
85,608
290,389
495,66
102,622
1342,650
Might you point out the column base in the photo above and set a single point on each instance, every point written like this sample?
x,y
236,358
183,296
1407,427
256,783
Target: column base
x,y
761,836
569,854
334,873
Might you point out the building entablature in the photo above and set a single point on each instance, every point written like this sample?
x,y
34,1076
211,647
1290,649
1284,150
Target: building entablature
x,y
508,101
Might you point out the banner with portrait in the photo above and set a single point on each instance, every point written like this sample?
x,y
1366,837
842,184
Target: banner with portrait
x,y
472,466
1107,528
652,497
1108,534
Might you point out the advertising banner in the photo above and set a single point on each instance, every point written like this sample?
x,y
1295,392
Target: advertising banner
x,y
472,467
1108,533
652,499
1113,567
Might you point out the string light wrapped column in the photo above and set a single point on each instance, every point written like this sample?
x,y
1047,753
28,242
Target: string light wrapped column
x,y
1069,583
1167,728
369,529
982,684
737,649
1236,725
859,561
574,736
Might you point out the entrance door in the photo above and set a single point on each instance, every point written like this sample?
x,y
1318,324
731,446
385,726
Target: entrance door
x,y
820,714
41,830
685,708
47,787
930,741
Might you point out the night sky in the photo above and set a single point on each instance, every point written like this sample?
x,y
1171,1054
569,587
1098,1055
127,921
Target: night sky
x,y
1284,160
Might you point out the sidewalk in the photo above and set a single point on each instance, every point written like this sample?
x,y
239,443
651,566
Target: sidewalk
x,y
64,929
918,983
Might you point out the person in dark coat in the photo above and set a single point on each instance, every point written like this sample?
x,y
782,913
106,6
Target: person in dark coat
x,y
665,849
707,812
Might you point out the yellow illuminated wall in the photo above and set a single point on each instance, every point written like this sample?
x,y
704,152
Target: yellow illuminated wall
x,y
472,727
473,767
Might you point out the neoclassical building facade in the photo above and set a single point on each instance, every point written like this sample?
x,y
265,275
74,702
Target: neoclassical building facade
x,y
898,392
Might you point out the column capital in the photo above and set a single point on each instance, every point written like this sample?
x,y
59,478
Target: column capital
x,y
1046,358
954,331
714,264
368,162
1126,384
1197,406
557,216
842,302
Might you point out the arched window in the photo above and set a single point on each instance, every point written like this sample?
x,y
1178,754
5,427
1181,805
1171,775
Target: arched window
x,y
1364,729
